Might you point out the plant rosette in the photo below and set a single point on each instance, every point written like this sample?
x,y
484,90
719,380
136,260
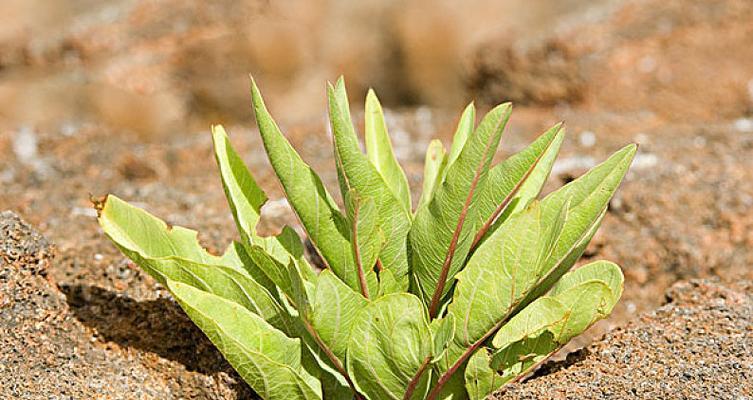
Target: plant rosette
x,y
453,299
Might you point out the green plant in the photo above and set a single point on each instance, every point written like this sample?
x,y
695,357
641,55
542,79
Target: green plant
x,y
469,292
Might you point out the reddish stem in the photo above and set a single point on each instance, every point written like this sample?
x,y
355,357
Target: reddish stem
x,y
437,296
331,356
416,378
506,202
444,378
357,255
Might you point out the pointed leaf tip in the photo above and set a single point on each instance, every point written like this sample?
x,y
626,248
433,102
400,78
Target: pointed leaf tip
x,y
380,153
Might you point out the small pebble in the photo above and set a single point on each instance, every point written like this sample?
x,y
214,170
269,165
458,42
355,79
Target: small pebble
x,y
744,125
587,139
84,212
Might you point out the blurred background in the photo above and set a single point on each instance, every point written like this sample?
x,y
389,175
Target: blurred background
x,y
117,96
163,66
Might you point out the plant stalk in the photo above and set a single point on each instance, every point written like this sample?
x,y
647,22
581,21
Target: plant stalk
x,y
444,378
332,357
438,291
506,202
416,378
357,255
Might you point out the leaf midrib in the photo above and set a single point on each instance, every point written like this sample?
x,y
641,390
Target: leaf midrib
x,y
438,291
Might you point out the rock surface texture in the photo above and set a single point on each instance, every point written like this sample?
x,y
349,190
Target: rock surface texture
x,y
697,346
55,348
78,321
77,342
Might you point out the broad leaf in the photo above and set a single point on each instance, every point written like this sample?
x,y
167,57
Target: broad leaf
x,y
246,199
434,165
584,304
285,247
232,257
520,358
141,234
510,265
550,322
243,194
442,332
144,239
333,389
389,343
605,271
480,379
366,238
379,150
266,358
542,314
440,237
334,309
513,183
388,284
229,284
589,196
357,173
316,209
287,277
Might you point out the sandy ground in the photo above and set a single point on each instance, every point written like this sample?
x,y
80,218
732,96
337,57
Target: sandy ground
x,y
676,217
698,346
673,76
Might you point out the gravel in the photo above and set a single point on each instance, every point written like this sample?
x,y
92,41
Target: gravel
x,y
698,346
55,350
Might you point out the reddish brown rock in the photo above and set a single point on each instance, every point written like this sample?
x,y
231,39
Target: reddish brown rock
x,y
697,346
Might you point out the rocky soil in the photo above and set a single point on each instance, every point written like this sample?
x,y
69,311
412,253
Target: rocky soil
x,y
674,76
82,342
676,217
674,60
698,346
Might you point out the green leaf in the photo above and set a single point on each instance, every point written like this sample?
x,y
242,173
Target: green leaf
x,y
440,237
243,194
246,199
334,309
137,232
530,252
515,182
528,338
287,277
520,358
548,323
442,332
379,150
605,271
389,342
233,258
285,247
334,384
145,239
388,284
229,284
367,239
589,196
357,173
584,304
542,314
333,389
480,379
267,359
465,128
434,165
316,209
